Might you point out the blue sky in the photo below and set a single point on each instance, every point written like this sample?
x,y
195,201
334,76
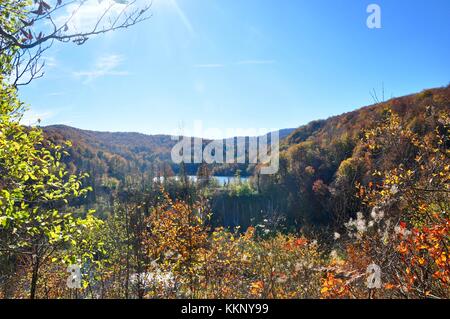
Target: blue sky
x,y
243,64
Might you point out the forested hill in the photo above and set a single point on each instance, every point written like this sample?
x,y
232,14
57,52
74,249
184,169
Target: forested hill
x,y
118,154
411,108
107,145
323,163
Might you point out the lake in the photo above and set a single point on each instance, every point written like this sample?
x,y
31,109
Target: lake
x,y
221,180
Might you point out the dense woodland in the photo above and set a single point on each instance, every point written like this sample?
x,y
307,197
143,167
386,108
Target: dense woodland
x,y
119,154
363,188
321,164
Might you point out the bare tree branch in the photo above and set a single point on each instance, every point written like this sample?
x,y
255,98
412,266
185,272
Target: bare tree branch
x,y
41,24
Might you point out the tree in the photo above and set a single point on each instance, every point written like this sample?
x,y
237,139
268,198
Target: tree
x,y
407,232
176,239
203,175
35,187
29,28
34,190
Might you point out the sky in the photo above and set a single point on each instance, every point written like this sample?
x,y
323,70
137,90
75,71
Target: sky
x,y
235,64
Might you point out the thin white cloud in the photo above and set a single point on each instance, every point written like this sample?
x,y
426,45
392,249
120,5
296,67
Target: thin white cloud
x,y
105,66
56,94
244,62
209,66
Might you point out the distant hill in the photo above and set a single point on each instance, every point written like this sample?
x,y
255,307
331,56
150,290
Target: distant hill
x,y
117,154
125,145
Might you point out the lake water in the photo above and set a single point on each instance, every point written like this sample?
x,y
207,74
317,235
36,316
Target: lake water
x,y
221,180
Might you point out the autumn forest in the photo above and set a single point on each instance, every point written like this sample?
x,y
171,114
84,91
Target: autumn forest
x,y
358,209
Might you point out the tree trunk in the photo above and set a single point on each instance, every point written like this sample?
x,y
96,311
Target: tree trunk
x,y
127,271
34,277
